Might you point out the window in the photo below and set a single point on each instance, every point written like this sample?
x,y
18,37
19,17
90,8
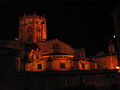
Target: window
x,y
29,29
39,66
62,65
42,22
38,29
38,22
83,65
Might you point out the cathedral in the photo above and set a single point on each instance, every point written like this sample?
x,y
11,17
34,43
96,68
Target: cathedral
x,y
33,62
50,54
36,53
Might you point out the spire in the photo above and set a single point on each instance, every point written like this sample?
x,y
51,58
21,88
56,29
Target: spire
x,y
111,47
36,32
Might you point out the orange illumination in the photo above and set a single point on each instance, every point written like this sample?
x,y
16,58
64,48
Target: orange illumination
x,y
117,67
32,29
54,54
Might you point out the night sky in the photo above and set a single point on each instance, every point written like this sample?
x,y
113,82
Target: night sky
x,y
86,25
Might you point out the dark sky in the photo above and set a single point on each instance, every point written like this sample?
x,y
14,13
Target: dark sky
x,y
86,25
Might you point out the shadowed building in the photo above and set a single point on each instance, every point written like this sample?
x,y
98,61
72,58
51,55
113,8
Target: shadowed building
x,y
107,61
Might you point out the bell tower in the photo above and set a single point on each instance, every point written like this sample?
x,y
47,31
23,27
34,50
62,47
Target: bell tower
x,y
32,29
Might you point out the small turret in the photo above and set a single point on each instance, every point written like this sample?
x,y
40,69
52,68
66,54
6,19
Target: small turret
x,y
111,47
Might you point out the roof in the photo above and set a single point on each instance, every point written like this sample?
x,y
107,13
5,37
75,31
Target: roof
x,y
100,54
58,53
54,40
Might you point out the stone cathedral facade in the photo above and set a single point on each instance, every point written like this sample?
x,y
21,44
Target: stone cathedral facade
x,y
50,54
35,53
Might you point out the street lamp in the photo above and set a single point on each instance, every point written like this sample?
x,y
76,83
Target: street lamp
x,y
118,67
114,36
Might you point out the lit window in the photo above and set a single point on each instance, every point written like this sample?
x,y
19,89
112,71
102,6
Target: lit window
x,y
39,66
62,65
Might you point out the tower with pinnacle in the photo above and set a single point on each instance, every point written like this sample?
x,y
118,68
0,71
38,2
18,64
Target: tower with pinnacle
x,y
32,29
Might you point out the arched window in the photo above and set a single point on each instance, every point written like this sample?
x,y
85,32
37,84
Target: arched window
x,y
83,65
62,65
39,66
38,29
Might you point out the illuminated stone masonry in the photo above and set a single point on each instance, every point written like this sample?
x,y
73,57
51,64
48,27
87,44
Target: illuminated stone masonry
x,y
35,53
55,54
